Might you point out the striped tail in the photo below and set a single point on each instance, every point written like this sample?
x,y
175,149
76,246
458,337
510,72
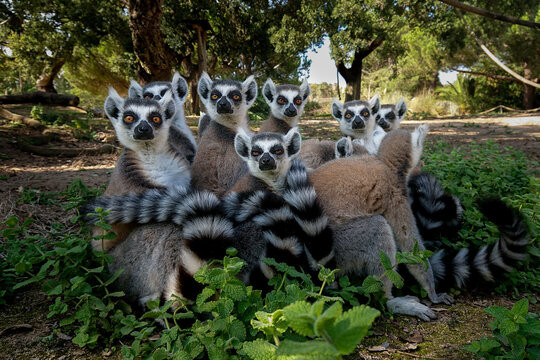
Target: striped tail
x,y
205,228
437,213
473,266
273,216
300,195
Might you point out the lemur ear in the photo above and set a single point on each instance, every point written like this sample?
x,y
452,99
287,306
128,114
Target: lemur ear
x,y
401,108
205,84
269,91
337,109
113,105
375,104
179,87
249,88
167,104
305,90
344,147
135,90
293,141
242,143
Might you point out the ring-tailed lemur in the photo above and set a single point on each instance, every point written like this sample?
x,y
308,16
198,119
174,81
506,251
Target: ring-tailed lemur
x,y
180,135
276,201
216,166
350,188
389,116
148,161
286,104
274,208
159,260
356,118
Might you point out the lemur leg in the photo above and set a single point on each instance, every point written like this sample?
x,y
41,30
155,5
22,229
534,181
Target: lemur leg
x,y
357,244
401,219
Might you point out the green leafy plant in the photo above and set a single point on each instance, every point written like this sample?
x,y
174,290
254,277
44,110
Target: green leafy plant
x,y
516,334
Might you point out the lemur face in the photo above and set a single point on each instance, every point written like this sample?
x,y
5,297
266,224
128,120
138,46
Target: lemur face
x,y
227,101
268,154
140,120
156,90
356,118
286,101
389,116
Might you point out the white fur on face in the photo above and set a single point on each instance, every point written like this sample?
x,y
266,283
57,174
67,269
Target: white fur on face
x,y
278,110
239,116
273,178
346,124
156,89
125,135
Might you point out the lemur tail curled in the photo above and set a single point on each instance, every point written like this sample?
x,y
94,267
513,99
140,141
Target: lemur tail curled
x,y
473,265
206,229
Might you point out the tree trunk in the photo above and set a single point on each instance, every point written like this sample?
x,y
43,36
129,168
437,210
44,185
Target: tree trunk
x,y
154,58
528,90
353,75
40,97
45,82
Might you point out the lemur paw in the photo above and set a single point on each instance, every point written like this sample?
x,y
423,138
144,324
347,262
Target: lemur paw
x,y
443,298
409,305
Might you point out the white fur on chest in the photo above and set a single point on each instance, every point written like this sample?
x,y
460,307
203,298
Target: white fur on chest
x,y
164,168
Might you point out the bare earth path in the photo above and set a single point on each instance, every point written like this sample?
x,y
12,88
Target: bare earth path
x,y
403,337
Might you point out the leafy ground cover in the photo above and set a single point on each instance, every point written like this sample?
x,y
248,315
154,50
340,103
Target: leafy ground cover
x,y
57,300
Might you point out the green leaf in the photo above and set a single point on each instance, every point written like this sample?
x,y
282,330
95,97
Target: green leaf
x,y
327,318
385,260
311,347
236,291
498,312
237,330
371,285
396,279
351,327
521,307
299,318
260,350
488,344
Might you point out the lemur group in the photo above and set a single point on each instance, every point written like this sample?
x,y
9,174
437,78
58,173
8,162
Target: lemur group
x,y
175,204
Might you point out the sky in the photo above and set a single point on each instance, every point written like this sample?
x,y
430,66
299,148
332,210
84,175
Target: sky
x,y
323,68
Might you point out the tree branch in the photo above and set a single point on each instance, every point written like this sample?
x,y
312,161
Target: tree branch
x,y
494,58
493,76
491,14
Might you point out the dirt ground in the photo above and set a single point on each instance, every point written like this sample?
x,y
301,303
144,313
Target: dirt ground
x,y
23,323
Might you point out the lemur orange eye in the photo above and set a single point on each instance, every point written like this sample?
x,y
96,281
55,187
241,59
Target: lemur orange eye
x,y
280,101
365,113
214,96
129,119
278,152
298,101
348,116
236,97
255,153
156,119
148,97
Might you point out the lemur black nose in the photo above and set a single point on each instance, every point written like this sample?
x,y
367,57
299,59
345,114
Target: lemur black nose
x,y
358,123
143,131
266,162
384,124
157,97
224,107
290,110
